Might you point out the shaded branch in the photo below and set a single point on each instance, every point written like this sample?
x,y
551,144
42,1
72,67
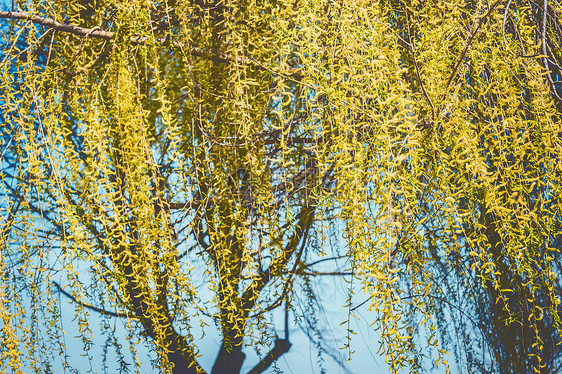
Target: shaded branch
x,y
297,180
277,267
324,260
412,49
469,42
281,347
334,273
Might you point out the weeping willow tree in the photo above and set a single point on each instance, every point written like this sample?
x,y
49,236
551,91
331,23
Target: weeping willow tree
x,y
152,148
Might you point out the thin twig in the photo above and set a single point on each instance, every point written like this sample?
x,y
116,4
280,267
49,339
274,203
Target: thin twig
x,y
506,10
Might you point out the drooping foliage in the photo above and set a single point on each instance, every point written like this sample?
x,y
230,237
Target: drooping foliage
x,y
146,140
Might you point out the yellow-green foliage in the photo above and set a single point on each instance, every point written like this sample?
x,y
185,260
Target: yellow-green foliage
x,y
156,136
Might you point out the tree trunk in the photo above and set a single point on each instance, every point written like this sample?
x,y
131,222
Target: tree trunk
x,y
184,360
229,361
181,364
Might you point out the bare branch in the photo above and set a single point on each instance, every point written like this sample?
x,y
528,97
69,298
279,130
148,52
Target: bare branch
x,y
324,260
91,307
95,32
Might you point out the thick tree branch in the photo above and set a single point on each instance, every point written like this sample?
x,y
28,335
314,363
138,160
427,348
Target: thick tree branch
x,y
277,267
281,347
95,32
295,182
